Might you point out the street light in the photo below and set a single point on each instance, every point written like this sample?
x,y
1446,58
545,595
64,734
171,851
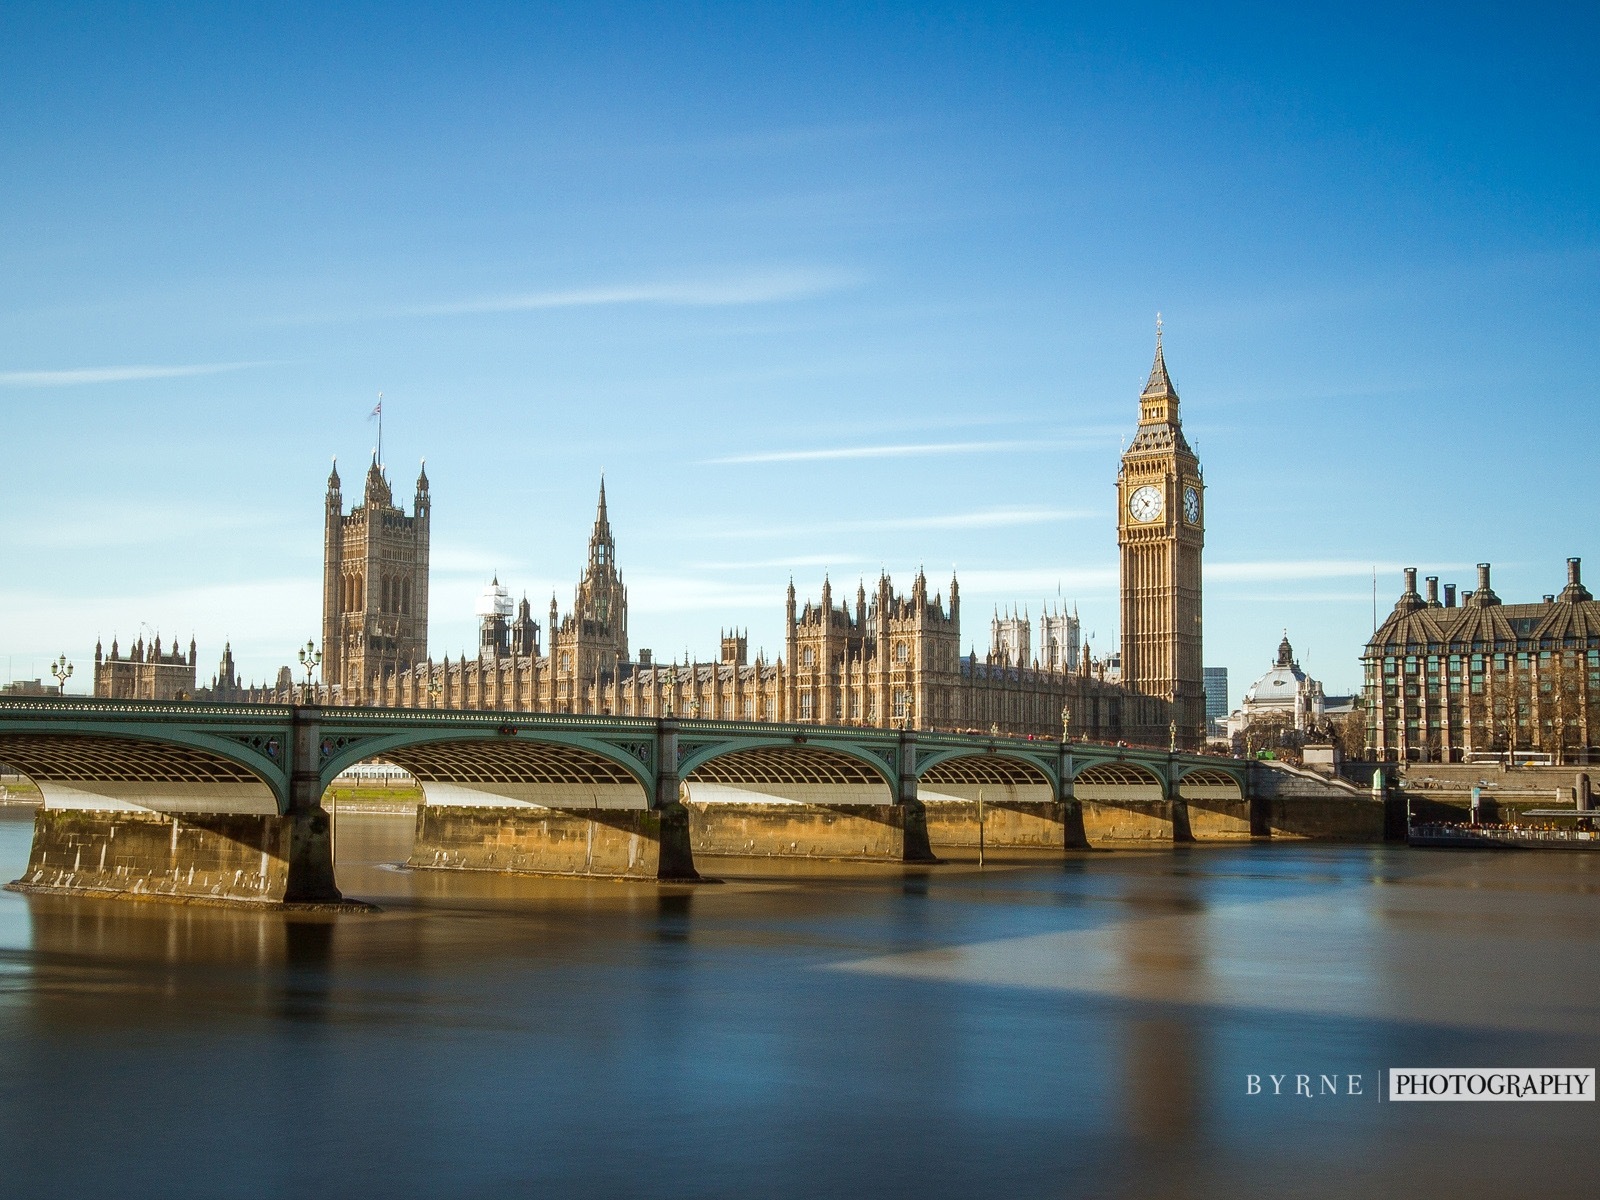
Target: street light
x,y
668,702
310,660
62,670
1066,720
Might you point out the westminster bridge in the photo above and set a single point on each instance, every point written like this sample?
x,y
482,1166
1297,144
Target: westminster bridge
x,y
224,802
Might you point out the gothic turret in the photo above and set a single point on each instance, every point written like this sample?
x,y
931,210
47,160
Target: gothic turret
x,y
423,502
602,546
1158,391
377,490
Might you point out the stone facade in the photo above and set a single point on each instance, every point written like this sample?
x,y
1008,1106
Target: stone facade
x,y
1285,692
891,660
888,660
1161,532
375,586
146,673
1484,679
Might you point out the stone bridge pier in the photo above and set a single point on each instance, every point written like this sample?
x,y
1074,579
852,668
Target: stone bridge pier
x,y
141,808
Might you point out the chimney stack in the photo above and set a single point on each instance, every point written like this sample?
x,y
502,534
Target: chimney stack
x,y
1575,592
1484,596
1449,595
1411,581
1433,591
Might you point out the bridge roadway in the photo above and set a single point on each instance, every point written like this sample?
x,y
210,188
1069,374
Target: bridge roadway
x,y
224,802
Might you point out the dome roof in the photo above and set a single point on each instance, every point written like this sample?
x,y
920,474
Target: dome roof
x,y
1279,685
495,601
1283,682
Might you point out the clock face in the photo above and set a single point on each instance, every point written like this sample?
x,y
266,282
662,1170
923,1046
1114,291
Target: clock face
x,y
1191,505
1145,504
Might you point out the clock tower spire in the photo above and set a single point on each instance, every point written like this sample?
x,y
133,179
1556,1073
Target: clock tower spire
x,y
1161,534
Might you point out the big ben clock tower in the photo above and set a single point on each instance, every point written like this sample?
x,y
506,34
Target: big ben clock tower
x,y
1161,532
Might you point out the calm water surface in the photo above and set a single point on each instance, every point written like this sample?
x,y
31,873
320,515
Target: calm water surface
x,y
1041,1028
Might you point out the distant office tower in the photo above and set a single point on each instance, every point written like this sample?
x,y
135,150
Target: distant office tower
x,y
1216,679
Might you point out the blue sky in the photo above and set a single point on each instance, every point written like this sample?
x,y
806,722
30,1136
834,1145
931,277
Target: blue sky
x,y
818,288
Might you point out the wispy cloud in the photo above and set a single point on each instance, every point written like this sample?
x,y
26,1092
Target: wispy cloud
x,y
72,376
655,593
901,450
799,560
1315,568
474,561
79,527
761,287
1070,582
994,518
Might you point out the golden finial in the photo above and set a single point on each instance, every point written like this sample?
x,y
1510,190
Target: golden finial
x,y
1158,331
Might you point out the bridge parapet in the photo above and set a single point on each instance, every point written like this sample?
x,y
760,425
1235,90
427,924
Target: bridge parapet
x,y
613,785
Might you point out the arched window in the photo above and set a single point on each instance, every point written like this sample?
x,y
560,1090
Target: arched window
x,y
808,657
901,652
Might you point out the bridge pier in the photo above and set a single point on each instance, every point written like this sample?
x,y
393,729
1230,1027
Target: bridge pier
x,y
552,822
1074,836
309,875
913,814
1178,808
677,848
214,842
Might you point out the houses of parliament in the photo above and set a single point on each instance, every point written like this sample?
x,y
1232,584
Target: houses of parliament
x,y
883,657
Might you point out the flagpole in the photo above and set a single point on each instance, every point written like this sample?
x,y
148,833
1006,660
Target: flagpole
x,y
380,429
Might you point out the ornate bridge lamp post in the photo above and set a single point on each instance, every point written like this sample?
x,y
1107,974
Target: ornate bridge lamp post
x,y
669,701
1172,737
62,670
1066,721
434,691
310,659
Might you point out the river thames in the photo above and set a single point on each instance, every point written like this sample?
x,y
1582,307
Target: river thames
x,y
1037,1028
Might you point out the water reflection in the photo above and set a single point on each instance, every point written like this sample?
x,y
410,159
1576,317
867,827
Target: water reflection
x,y
1034,1028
